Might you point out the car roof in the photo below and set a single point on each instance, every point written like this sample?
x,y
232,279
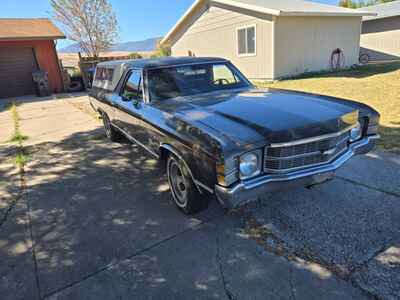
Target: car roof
x,y
158,62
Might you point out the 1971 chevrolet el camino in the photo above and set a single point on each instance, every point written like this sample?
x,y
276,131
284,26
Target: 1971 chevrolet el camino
x,y
213,132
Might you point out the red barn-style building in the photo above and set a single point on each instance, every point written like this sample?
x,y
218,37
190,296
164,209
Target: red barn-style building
x,y
27,45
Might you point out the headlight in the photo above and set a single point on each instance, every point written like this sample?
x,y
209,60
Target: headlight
x,y
356,133
250,164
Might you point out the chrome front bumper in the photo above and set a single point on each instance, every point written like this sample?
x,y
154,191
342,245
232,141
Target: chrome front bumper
x,y
249,190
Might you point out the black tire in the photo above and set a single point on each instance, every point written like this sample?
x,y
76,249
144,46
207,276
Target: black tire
x,y
75,86
364,58
111,133
184,191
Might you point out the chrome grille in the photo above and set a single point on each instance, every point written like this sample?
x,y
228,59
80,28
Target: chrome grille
x,y
303,155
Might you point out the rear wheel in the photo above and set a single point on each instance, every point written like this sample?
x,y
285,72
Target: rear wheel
x,y
111,133
185,193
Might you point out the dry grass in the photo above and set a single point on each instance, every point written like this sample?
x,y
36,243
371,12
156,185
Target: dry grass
x,y
376,85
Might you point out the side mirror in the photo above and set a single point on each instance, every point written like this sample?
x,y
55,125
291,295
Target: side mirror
x,y
136,103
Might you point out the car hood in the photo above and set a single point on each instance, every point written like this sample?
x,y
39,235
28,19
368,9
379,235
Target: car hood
x,y
276,116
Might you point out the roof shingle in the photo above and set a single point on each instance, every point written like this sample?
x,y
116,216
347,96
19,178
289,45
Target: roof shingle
x,y
22,29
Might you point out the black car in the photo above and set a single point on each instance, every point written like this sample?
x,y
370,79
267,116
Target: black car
x,y
213,132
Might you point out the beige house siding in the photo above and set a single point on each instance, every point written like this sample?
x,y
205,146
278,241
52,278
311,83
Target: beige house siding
x,y
214,33
305,44
381,38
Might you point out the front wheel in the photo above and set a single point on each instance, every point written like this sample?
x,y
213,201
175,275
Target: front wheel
x,y
185,193
112,134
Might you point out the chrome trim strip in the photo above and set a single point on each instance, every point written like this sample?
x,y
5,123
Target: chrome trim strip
x,y
312,139
307,166
274,158
208,189
306,172
374,137
169,148
132,139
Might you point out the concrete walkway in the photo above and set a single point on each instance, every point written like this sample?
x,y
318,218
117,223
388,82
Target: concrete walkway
x,y
94,220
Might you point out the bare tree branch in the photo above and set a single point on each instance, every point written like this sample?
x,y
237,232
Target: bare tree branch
x,y
90,23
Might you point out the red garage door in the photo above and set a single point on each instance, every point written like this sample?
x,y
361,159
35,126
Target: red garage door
x,y
16,67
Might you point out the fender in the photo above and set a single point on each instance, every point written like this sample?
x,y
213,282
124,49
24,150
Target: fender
x,y
198,184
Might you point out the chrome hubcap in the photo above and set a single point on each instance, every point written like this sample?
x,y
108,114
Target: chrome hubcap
x,y
178,184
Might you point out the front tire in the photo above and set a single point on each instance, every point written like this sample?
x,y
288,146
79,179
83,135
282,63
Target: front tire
x,y
111,133
184,191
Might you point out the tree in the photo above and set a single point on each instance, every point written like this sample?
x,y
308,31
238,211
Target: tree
x,y
135,55
90,23
361,3
162,50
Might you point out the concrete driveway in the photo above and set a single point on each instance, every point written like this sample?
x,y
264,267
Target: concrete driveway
x,y
89,219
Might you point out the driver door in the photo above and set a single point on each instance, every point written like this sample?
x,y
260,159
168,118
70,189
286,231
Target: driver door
x,y
130,105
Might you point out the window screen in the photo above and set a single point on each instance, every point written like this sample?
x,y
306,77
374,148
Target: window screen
x,y
242,41
246,38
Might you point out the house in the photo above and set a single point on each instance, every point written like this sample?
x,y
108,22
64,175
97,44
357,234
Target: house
x,y
380,37
269,39
27,45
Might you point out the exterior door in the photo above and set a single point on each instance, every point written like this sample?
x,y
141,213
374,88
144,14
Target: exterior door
x,y
130,107
16,67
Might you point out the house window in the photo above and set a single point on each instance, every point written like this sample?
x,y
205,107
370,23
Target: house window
x,y
246,39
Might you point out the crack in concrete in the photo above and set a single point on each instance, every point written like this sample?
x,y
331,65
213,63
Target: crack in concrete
x,y
20,149
380,250
292,288
368,186
33,248
218,259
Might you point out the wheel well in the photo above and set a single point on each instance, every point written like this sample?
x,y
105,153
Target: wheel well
x,y
100,112
164,153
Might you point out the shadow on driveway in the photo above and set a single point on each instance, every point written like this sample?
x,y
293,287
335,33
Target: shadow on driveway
x,y
104,227
94,203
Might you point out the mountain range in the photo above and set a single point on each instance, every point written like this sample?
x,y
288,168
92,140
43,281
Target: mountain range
x,y
135,46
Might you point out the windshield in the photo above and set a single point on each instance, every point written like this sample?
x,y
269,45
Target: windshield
x,y
189,80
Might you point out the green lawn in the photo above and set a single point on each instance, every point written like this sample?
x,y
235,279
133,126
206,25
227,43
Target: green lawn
x,y
377,85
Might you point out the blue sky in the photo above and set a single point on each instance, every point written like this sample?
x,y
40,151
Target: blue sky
x,y
137,19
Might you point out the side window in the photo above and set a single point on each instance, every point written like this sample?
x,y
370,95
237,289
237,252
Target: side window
x,y
246,39
133,87
223,75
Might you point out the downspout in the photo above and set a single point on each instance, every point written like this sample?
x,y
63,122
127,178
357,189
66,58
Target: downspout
x,y
273,48
359,41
